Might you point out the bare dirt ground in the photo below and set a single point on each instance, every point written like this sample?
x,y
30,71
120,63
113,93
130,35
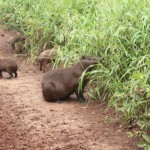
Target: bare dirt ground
x,y
27,122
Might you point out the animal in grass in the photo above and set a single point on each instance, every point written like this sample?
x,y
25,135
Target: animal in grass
x,y
59,84
9,66
17,43
47,56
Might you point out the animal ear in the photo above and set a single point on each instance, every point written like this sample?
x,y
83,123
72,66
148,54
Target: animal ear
x,y
83,57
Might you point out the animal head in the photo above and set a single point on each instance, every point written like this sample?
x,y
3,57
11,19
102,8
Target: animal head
x,y
87,61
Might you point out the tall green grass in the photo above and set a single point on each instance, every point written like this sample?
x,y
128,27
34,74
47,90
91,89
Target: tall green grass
x,y
116,30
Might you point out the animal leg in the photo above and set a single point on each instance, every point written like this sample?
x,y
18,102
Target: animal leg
x,y
79,95
41,66
44,66
16,74
1,74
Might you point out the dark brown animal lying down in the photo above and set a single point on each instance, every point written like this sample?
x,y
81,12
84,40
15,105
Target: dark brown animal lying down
x,y
8,66
59,84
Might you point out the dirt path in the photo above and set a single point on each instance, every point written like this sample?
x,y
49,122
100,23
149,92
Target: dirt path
x,y
27,122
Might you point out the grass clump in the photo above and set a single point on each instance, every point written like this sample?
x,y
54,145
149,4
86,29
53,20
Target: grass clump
x,y
118,31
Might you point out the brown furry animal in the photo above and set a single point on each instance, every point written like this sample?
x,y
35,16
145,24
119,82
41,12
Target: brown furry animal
x,y
59,84
47,56
17,44
8,66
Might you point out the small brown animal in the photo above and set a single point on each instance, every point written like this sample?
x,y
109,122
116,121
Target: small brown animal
x,y
59,84
47,56
8,66
17,43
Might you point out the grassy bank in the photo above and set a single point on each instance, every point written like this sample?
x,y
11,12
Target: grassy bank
x,y
117,30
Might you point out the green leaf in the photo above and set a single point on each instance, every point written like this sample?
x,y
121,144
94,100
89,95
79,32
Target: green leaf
x,y
137,76
146,137
148,63
148,94
142,144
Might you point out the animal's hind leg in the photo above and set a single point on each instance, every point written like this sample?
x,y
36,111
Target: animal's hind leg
x,y
41,66
16,74
1,74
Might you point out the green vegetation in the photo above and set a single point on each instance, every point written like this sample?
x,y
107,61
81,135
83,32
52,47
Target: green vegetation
x,y
117,30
